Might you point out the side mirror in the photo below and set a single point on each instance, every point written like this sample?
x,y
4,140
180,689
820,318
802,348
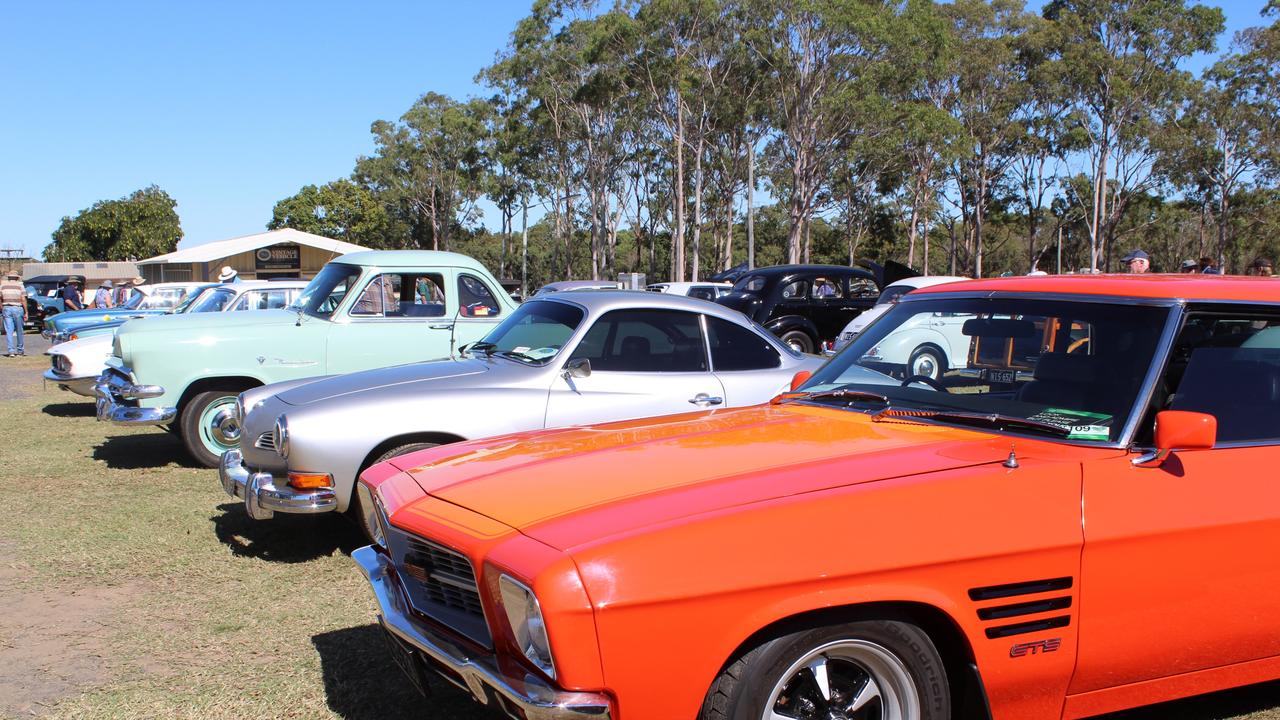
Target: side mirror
x,y
579,368
799,379
1180,430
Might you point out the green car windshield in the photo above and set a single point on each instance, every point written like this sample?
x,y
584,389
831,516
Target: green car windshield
x,y
1069,368
324,293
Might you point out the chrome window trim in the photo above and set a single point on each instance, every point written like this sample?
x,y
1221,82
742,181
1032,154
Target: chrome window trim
x,y
1072,297
1159,363
457,277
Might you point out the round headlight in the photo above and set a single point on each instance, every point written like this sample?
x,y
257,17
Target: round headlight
x,y
280,436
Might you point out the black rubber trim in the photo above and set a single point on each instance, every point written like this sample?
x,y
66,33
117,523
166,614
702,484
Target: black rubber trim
x,y
1028,627
1031,587
1000,612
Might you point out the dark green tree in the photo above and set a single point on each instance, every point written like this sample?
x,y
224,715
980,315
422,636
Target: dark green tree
x,y
341,210
141,225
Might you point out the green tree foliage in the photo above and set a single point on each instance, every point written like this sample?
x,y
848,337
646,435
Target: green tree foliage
x,y
141,225
341,210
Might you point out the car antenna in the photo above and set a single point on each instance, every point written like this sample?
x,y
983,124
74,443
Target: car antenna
x,y
453,329
1012,461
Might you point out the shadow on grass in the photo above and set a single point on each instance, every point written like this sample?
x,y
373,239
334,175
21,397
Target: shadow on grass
x,y
285,538
1240,702
144,450
362,682
70,409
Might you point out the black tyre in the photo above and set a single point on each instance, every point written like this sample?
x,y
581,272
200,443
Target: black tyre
x,y
355,509
209,427
798,340
870,670
928,361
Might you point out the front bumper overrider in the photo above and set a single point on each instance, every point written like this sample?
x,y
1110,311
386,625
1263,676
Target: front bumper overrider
x,y
117,398
422,648
263,498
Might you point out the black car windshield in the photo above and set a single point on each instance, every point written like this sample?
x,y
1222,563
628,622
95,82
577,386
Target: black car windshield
x,y
324,293
1026,364
213,300
753,284
535,332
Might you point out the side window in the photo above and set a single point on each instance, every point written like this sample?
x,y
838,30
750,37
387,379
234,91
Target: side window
x,y
734,347
248,301
798,290
1229,366
644,341
276,299
475,299
702,293
862,288
827,289
396,295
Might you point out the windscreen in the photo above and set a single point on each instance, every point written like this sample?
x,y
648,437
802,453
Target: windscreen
x,y
535,332
213,301
326,290
1076,366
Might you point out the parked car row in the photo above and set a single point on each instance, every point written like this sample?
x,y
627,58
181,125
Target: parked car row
x,y
993,500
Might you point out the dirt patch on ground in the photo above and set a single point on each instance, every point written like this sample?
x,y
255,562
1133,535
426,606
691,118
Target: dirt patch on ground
x,y
54,643
22,374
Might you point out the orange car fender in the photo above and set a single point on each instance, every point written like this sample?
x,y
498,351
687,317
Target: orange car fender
x,y
694,593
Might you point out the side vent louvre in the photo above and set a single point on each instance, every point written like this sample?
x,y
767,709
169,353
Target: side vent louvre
x,y
996,613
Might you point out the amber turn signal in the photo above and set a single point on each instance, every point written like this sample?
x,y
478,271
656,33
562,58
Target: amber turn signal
x,y
309,481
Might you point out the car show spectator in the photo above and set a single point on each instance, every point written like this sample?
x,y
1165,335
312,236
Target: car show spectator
x,y
1189,266
71,293
228,275
14,300
103,295
1208,268
1138,261
1260,267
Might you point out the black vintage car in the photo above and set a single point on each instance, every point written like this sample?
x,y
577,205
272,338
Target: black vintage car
x,y
808,305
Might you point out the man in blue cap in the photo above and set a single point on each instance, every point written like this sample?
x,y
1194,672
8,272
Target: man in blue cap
x,y
1138,261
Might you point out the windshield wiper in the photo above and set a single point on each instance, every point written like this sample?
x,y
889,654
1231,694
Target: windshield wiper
x,y
996,420
485,347
839,393
516,355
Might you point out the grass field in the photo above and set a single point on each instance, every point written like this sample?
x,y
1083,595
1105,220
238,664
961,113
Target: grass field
x,y
131,587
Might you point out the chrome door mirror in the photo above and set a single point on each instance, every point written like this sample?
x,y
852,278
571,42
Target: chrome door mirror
x,y
579,368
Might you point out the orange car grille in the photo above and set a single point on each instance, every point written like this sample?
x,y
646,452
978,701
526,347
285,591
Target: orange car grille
x,y
440,583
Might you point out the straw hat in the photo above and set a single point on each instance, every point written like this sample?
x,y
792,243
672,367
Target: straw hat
x,y
228,274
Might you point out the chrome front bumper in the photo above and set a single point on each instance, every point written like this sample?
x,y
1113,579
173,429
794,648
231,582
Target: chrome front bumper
x,y
113,392
77,385
262,499
528,697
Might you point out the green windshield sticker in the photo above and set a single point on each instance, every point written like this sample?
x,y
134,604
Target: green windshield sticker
x,y
1081,425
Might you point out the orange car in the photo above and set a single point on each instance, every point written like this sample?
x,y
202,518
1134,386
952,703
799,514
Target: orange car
x,y
1092,528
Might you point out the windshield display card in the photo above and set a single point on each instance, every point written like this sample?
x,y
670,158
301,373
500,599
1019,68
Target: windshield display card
x,y
1080,425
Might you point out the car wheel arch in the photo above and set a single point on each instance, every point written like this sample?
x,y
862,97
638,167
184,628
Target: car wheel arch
x,y
238,383
441,438
968,691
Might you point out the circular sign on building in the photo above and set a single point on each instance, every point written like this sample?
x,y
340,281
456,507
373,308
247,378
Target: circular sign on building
x,y
279,257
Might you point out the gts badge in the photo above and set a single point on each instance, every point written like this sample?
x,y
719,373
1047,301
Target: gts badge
x,y
1037,647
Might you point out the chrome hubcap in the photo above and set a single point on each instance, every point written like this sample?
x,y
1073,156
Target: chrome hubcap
x,y
222,427
845,680
925,365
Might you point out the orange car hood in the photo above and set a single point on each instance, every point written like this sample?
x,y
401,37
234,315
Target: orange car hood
x,y
576,485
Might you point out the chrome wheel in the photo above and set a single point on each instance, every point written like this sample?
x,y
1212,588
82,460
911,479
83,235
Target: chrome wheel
x,y
219,428
927,362
845,680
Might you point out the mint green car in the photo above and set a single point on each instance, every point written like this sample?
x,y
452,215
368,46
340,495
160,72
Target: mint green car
x,y
363,310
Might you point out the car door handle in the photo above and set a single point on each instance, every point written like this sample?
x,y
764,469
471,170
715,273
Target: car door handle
x,y
704,400
441,326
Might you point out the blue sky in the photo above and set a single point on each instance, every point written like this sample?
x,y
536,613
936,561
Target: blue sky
x,y
228,107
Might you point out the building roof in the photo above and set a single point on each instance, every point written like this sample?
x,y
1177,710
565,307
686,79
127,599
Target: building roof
x,y
92,270
1172,286
209,252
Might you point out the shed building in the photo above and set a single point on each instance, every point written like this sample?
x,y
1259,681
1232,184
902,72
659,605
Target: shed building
x,y
286,253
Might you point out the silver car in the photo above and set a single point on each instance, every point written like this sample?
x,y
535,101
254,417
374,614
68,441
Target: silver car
x,y
573,358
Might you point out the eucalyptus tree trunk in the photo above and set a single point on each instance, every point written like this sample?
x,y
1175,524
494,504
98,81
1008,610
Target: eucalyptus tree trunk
x,y
751,208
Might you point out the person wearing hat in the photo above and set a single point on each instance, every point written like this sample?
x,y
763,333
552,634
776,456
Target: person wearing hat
x,y
1138,262
126,290
1190,266
228,275
14,300
71,297
102,297
1260,267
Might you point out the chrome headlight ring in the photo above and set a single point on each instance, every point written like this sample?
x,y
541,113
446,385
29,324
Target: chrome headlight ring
x,y
524,615
280,434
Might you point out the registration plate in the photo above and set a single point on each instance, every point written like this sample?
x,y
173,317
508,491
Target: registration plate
x,y
1000,376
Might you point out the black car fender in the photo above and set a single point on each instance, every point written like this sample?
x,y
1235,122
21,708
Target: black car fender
x,y
782,325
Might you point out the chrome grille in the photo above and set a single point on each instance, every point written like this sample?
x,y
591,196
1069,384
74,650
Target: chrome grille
x,y
440,583
266,441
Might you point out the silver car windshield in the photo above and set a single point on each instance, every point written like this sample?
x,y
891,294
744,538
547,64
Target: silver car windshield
x,y
213,301
535,333
1073,369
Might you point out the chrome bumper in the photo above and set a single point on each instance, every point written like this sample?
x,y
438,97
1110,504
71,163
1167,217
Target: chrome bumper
x,y
262,499
112,391
519,697
77,385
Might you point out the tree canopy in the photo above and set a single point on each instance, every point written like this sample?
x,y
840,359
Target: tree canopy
x,y
140,225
